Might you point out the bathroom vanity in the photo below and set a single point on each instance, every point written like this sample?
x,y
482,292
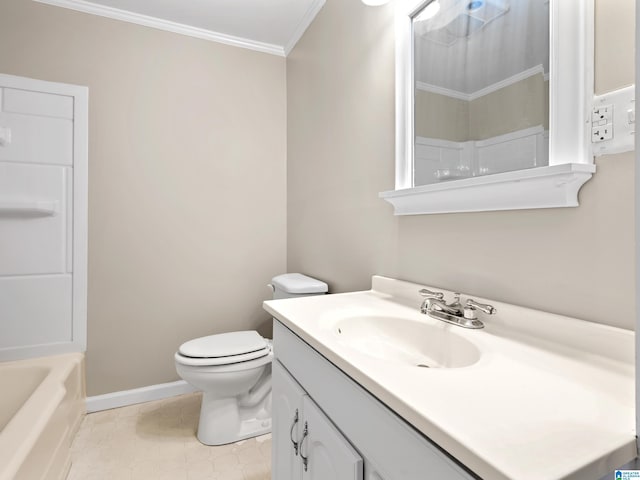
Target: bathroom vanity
x,y
367,387
328,426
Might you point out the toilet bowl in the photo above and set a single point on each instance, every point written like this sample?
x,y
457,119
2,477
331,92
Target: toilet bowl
x,y
233,370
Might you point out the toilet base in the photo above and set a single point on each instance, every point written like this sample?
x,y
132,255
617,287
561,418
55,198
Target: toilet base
x,y
223,421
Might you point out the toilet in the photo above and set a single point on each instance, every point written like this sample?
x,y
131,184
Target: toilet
x,y
233,370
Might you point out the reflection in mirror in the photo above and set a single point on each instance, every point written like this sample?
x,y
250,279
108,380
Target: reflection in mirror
x,y
481,98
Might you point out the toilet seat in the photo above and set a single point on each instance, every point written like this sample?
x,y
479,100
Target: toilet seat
x,y
223,349
204,367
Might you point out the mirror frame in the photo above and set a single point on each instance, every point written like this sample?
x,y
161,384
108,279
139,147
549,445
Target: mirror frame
x,y
571,162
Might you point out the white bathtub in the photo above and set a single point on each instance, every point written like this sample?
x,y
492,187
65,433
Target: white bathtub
x,y
41,406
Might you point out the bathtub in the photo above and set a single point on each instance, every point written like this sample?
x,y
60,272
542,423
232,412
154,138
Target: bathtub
x,y
41,406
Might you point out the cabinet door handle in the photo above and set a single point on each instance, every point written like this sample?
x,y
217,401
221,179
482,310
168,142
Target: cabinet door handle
x,y
295,444
305,434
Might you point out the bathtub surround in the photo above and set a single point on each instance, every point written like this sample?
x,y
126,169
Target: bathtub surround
x,y
43,218
187,182
340,150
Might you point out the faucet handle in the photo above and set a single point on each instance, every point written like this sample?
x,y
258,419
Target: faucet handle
x,y
483,307
429,294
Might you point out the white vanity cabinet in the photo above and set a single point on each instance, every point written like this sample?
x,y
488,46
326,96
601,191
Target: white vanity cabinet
x,y
350,434
325,452
285,428
306,444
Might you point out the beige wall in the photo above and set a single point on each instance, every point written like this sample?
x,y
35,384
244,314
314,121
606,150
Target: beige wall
x,y
440,116
187,184
512,108
515,107
577,262
614,51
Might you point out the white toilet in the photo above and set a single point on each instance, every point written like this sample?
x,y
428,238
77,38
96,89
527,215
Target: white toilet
x,y
233,370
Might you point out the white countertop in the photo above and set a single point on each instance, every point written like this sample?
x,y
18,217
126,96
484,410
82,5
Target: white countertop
x,y
551,397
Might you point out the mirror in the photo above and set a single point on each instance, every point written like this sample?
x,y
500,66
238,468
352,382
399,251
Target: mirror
x,y
492,104
481,88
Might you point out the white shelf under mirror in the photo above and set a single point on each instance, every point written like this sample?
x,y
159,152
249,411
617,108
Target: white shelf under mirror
x,y
542,187
570,160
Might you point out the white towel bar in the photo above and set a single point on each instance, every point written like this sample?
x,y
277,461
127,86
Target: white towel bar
x,y
28,209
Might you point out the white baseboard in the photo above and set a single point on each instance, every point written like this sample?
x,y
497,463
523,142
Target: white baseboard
x,y
137,395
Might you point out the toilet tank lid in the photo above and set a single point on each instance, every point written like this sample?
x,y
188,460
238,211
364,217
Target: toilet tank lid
x,y
297,283
224,345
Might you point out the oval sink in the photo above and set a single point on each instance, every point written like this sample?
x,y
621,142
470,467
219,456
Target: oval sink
x,y
406,341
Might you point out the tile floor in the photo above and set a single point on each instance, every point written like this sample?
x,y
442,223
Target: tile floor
x,y
156,441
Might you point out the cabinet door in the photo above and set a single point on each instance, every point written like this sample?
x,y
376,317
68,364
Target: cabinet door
x,y
287,417
326,454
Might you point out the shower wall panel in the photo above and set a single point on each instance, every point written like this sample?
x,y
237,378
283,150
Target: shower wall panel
x,y
38,126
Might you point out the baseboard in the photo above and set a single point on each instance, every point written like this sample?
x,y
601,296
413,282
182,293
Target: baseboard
x,y
137,395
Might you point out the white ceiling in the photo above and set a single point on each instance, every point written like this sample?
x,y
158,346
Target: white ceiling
x,y
272,26
511,44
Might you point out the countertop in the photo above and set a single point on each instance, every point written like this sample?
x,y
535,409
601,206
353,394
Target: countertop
x,y
551,397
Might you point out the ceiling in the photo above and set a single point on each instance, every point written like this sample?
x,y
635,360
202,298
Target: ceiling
x,y
272,26
513,42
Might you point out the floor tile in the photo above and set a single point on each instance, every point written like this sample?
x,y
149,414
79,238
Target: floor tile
x,y
156,441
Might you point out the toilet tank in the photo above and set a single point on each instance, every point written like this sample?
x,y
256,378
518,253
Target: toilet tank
x,y
291,285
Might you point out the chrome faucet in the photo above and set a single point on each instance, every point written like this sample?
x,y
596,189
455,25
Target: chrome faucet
x,y
455,313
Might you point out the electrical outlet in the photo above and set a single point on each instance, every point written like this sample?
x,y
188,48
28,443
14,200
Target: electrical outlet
x,y
613,122
602,133
601,115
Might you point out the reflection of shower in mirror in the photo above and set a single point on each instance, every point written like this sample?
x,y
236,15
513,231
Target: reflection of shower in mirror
x,y
481,98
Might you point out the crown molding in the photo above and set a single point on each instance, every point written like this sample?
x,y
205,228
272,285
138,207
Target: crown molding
x,y
447,92
306,20
427,87
537,70
160,24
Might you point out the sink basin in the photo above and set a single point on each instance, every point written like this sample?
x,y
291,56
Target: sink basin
x,y
405,341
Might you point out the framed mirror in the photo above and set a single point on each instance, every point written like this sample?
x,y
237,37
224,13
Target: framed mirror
x,y
492,104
